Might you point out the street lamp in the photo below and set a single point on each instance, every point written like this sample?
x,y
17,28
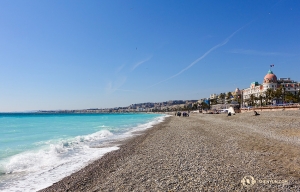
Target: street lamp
x,y
297,95
242,98
239,100
200,107
283,93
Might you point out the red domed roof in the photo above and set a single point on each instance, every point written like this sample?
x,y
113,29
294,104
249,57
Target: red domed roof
x,y
270,77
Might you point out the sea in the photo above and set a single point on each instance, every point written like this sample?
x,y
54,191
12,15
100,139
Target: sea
x,y
37,149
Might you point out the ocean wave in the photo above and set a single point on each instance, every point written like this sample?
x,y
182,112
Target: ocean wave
x,y
50,152
149,124
55,159
57,168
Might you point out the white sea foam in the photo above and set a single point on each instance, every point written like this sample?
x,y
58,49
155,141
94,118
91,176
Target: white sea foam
x,y
150,124
34,170
140,127
56,159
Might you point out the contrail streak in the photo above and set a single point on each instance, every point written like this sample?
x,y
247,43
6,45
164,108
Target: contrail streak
x,y
141,62
203,56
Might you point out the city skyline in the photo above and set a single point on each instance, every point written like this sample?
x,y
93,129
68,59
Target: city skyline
x,y
79,55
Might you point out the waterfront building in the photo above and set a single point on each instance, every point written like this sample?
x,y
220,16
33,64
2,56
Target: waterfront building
x,y
235,94
213,96
270,81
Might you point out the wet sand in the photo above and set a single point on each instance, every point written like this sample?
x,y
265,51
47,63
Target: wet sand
x,y
203,152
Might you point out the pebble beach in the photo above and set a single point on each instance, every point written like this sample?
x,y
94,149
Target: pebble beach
x,y
202,152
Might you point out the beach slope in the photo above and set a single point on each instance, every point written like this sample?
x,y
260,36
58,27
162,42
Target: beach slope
x,y
202,152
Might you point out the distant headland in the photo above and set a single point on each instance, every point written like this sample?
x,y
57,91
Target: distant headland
x,y
165,106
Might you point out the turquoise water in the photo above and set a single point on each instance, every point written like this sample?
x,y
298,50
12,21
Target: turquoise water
x,y
37,147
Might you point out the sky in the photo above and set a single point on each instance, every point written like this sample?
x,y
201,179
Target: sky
x,y
76,54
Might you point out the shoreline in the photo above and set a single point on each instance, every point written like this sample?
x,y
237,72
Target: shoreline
x,y
52,160
105,164
200,152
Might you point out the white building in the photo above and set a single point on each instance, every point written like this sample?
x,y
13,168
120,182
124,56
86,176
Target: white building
x,y
213,96
270,82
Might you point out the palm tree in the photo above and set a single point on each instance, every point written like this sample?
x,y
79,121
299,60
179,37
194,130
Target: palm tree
x,y
213,101
204,105
247,101
291,97
298,96
278,92
256,99
239,96
228,95
260,97
195,106
221,98
252,98
269,95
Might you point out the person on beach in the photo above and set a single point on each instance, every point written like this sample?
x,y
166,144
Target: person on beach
x,y
255,113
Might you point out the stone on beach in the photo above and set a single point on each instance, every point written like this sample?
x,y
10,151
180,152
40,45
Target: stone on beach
x,y
201,153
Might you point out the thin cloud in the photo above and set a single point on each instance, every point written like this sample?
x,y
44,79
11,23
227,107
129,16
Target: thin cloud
x,y
126,90
203,56
120,68
113,86
140,62
261,53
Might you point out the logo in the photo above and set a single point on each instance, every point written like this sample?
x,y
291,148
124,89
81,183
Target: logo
x,y
248,181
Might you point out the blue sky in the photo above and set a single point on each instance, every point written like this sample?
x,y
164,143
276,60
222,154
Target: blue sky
x,y
98,54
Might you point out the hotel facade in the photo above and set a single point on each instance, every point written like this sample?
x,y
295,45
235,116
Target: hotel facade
x,y
270,81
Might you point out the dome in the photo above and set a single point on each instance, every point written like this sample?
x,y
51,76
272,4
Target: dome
x,y
270,77
237,90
